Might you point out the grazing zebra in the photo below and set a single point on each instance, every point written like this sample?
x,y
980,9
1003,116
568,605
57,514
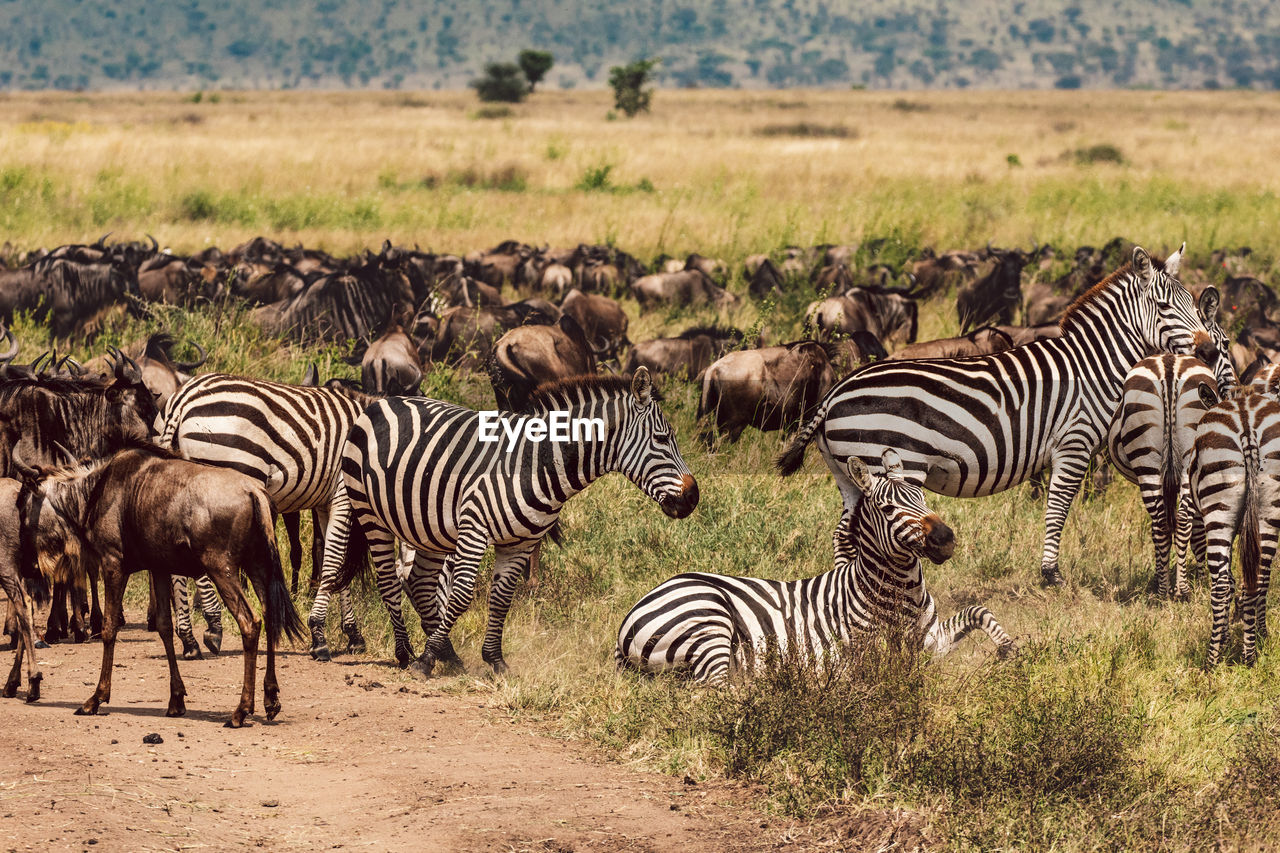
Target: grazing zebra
x,y
1235,482
974,426
1152,433
706,623
288,437
423,471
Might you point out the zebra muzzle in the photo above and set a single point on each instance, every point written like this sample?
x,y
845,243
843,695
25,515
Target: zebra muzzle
x,y
939,540
681,504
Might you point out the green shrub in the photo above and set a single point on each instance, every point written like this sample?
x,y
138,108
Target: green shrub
x,y
1103,152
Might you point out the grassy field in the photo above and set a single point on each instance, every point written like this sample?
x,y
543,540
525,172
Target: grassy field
x,y
1104,733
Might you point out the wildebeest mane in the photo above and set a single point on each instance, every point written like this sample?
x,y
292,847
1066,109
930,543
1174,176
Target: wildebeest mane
x,y
720,333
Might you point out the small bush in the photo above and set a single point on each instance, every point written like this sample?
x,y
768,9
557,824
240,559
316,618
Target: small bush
x,y
596,178
1103,152
807,129
628,83
906,106
502,81
494,112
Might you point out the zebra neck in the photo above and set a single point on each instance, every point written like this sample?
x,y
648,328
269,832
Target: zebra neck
x,y
871,584
1101,341
548,473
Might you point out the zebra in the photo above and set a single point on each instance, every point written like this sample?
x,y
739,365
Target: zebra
x,y
422,471
1152,432
706,624
1235,483
968,427
288,437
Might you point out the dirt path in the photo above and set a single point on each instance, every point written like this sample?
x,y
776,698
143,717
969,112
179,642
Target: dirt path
x,y
350,763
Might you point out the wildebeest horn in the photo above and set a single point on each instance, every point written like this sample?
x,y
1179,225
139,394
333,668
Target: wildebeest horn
x,y
192,365
12,352
38,364
24,470
102,241
72,365
155,247
70,457
126,368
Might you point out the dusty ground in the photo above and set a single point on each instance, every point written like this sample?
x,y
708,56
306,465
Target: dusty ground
x,y
359,758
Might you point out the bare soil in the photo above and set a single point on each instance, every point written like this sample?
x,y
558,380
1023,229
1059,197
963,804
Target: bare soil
x,y
360,758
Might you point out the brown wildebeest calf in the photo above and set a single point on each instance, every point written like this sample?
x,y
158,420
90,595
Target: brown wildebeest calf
x,y
146,509
17,568
528,356
983,341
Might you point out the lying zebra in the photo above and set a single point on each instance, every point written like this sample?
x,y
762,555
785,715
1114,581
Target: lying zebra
x,y
707,623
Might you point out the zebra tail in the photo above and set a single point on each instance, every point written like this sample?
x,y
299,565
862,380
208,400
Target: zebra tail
x,y
792,456
277,603
1170,479
1250,543
354,558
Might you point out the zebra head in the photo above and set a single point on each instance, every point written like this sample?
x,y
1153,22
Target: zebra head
x,y
1171,321
1223,370
647,452
892,519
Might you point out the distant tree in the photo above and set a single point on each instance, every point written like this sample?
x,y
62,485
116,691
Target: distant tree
x,y
628,83
535,64
502,81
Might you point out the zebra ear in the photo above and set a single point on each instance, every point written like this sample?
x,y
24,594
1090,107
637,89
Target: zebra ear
x,y
1208,395
1208,304
892,464
642,385
1173,263
859,473
1142,265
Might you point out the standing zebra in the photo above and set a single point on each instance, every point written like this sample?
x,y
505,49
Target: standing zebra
x,y
1235,482
424,472
1152,433
288,437
707,623
968,427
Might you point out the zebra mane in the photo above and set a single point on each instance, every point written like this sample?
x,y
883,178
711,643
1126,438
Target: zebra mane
x,y
1094,293
564,391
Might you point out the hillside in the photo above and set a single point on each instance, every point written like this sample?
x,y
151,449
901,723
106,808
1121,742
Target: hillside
x,y
192,44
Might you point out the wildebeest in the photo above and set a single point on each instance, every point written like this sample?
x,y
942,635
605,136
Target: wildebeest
x,y
983,341
687,354
770,388
997,296
88,415
64,294
686,287
391,365
529,356
934,273
601,319
848,354
891,315
465,336
161,372
1026,334
18,571
146,509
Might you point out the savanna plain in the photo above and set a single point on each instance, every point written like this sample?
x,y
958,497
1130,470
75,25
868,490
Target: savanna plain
x,y
1104,732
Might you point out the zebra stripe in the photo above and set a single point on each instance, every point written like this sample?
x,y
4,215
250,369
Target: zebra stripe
x,y
968,427
416,469
1150,442
708,624
288,437
1235,483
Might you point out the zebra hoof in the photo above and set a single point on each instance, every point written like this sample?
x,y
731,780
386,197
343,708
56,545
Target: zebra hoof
x,y
190,649
500,667
1051,577
1007,650
320,651
404,654
424,664
213,641
355,641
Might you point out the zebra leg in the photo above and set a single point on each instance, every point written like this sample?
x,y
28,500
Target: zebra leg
x,y
1255,606
470,548
211,606
1221,586
1182,541
182,608
347,607
943,636
333,547
509,566
1069,465
428,590
1153,502
382,548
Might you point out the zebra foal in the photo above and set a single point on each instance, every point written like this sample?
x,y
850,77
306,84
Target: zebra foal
x,y
970,427
708,624
1235,483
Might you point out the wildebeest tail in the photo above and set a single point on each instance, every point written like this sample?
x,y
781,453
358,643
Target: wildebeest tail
x,y
277,604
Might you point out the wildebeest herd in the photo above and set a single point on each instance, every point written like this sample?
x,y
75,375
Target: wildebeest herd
x,y
132,463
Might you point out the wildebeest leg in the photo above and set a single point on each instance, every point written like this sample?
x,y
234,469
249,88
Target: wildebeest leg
x,y
162,584
291,521
424,585
227,581
211,607
470,548
79,608
509,565
182,606
20,610
56,627
113,581
95,609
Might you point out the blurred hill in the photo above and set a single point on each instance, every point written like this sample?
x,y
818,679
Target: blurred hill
x,y
193,44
